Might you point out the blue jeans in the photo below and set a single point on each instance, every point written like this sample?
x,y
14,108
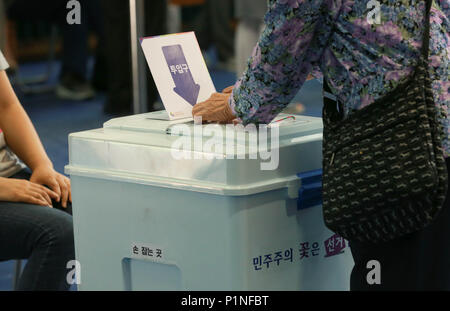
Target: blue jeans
x,y
40,234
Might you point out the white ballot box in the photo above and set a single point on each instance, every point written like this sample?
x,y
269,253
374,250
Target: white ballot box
x,y
169,205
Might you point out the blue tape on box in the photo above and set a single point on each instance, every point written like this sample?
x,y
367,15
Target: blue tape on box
x,y
310,192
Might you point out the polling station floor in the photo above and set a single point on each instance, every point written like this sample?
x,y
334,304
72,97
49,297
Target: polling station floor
x,y
55,119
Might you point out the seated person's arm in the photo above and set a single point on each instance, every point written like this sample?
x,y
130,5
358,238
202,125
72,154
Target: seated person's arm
x,y
22,139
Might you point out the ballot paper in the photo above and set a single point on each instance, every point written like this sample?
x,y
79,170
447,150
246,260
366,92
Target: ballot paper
x,y
179,71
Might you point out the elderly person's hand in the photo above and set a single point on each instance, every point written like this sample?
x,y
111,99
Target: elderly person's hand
x,y
216,108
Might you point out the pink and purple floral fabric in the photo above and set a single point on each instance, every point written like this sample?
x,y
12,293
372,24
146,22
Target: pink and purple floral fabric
x,y
361,61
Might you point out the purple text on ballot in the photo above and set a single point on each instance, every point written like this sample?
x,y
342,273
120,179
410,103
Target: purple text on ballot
x,y
181,74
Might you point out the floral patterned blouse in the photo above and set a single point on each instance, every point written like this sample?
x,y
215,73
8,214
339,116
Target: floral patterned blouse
x,y
360,60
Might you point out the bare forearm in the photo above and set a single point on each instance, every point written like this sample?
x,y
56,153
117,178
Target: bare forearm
x,y
19,132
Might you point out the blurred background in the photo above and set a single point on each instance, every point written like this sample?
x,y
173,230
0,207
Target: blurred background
x,y
71,78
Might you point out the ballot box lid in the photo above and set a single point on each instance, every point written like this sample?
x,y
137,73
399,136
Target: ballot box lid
x,y
148,148
158,123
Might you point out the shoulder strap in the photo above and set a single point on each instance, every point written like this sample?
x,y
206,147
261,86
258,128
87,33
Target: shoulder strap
x,y
427,31
333,109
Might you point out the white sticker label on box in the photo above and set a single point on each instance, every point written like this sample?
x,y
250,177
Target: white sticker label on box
x,y
146,251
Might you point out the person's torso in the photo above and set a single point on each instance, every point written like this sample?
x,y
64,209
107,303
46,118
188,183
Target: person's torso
x,y
9,163
364,60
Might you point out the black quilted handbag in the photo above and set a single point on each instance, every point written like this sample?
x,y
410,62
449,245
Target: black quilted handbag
x,y
384,173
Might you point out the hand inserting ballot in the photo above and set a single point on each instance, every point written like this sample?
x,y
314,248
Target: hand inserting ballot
x,y
215,108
